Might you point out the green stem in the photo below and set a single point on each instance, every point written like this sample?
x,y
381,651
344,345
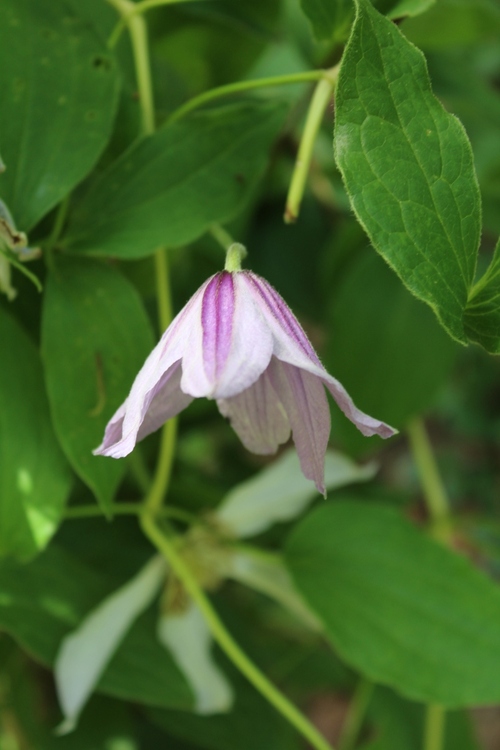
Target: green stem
x,y
319,102
126,509
432,484
434,727
356,714
139,38
240,86
225,639
221,236
441,529
163,289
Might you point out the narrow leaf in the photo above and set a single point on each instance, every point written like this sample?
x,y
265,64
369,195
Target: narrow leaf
x,y
34,476
482,316
408,167
402,609
95,337
168,188
59,92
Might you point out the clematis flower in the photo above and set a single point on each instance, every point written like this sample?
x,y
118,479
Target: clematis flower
x,y
236,341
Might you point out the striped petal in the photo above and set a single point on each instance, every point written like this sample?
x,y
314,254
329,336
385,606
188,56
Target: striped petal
x,y
291,345
231,345
257,416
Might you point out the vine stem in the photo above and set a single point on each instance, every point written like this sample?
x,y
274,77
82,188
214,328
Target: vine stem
x,y
438,508
240,86
225,639
126,509
317,108
356,714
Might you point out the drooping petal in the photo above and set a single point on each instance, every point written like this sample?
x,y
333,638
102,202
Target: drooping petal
x,y
231,346
168,400
281,492
85,653
257,416
187,636
269,576
304,399
291,345
123,429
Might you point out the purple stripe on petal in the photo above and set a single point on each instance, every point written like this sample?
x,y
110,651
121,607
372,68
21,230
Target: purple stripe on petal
x,y
257,416
304,399
217,313
282,313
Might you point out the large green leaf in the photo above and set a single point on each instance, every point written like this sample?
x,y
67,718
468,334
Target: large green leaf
x,y
408,168
482,316
34,476
95,337
168,188
58,88
43,601
402,609
377,326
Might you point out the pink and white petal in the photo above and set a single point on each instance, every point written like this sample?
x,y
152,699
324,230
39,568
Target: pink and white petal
x,y
290,344
122,436
168,400
304,399
257,416
232,345
85,653
367,425
187,636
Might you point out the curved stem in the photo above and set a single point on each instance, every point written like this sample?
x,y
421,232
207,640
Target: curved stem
x,y
221,236
434,492
356,714
127,509
319,103
237,88
439,511
139,38
225,639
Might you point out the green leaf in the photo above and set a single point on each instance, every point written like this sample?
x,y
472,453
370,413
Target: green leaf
x,y
168,188
252,723
58,92
482,315
379,327
454,23
402,609
34,477
410,8
43,601
95,337
408,167
330,19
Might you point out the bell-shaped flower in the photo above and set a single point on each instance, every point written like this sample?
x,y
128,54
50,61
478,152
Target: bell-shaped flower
x,y
237,341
